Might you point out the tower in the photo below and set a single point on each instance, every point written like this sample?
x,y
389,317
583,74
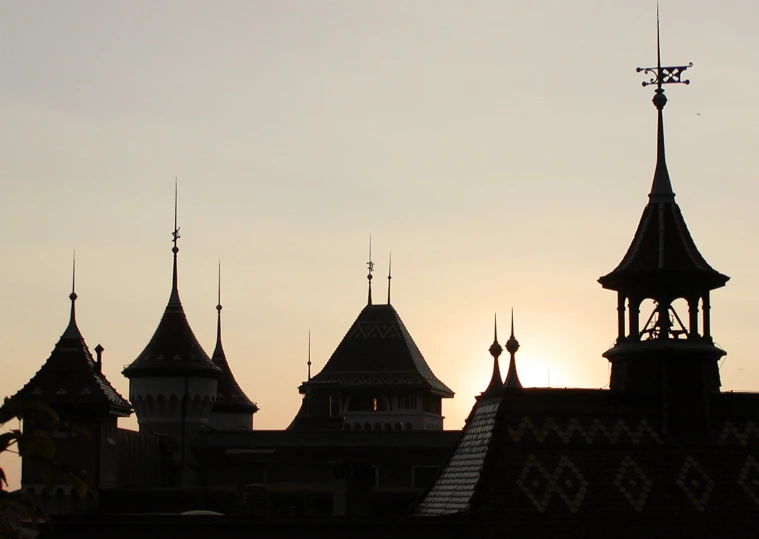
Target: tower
x,y
72,383
173,382
670,356
232,409
376,379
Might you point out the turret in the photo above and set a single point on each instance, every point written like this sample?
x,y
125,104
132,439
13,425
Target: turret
x,y
665,353
173,382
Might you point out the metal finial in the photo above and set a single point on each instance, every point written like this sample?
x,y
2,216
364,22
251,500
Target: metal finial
x,y
496,382
309,355
512,345
73,295
174,299
72,331
661,189
389,276
218,295
370,265
662,75
495,349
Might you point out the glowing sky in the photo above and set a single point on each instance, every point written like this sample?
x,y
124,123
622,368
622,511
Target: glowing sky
x,y
502,150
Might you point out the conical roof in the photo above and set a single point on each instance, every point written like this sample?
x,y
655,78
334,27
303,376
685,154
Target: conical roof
x,y
174,349
378,350
70,376
229,395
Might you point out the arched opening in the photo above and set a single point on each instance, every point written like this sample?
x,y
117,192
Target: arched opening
x,y
388,426
367,426
357,426
346,426
377,426
408,426
399,426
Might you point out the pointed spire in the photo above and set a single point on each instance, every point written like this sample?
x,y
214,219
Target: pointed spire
x,y
389,276
496,382
370,265
174,298
661,188
72,331
219,350
309,355
512,345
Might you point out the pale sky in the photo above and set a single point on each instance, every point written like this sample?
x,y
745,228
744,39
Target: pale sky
x,y
502,150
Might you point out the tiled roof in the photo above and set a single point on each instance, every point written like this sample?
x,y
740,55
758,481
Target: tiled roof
x,y
70,376
663,245
174,349
378,350
453,489
560,463
229,395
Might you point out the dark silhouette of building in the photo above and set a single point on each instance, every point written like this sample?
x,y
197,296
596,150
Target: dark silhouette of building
x,y
662,453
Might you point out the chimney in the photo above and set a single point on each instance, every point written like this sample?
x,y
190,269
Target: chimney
x,y
99,363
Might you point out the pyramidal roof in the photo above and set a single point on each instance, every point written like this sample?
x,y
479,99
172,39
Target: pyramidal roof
x,y
229,395
70,376
378,350
174,349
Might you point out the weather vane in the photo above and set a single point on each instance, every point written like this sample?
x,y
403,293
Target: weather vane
x,y
663,75
370,265
175,233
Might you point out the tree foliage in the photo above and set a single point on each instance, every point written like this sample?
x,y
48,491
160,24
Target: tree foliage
x,y
35,443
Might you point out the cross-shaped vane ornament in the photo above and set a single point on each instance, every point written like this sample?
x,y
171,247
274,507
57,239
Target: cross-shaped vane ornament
x,y
663,75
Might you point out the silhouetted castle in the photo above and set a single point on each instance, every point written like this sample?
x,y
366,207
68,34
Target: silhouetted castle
x,y
662,453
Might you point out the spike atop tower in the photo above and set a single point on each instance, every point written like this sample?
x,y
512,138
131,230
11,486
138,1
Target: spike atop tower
x,y
72,331
218,350
512,345
370,266
661,188
389,276
496,382
308,363
174,298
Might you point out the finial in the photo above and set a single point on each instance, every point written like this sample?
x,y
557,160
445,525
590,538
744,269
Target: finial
x,y
309,355
661,189
496,382
512,345
389,276
174,299
72,331
219,350
370,265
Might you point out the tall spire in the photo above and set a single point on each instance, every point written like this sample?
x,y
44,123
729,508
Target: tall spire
x,y
370,265
512,345
389,276
309,355
661,188
174,298
72,331
219,350
496,383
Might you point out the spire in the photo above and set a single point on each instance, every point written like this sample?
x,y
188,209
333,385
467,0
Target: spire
x,y
309,355
389,276
512,345
496,383
219,350
72,331
661,188
174,298
370,264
